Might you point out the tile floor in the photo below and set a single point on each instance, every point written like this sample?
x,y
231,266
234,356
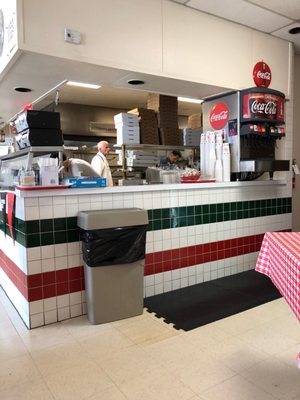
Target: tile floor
x,y
247,356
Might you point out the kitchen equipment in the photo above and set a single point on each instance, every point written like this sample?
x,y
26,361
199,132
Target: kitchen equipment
x,y
253,120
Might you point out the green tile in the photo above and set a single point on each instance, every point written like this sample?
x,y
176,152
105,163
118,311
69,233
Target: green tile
x,y
233,215
263,212
157,224
198,210
246,214
289,208
60,224
166,223
212,218
274,201
190,211
182,221
289,201
175,222
21,238
220,208
182,211
72,223
157,214
46,225
232,206
32,226
220,217
269,202
198,219
257,204
174,212
245,205
226,216
226,207
279,202
33,240
239,205
252,213
60,237
205,218
212,208
73,235
47,239
205,209
165,213
240,215
263,203
251,204
191,220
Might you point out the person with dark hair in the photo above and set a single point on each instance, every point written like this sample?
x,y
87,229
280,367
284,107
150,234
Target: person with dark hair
x,y
170,159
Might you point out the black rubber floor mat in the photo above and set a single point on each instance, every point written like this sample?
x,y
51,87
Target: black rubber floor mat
x,y
201,304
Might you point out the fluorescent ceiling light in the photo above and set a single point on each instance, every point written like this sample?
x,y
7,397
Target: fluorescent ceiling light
x,y
189,100
84,85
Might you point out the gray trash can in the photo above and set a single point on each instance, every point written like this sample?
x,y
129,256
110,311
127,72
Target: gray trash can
x,y
113,245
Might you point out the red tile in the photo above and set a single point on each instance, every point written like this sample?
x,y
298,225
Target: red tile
x,y
34,280
221,245
62,288
158,267
49,291
74,273
75,285
35,294
191,251
149,258
167,255
48,278
206,248
83,283
149,270
175,254
62,275
213,246
157,257
183,252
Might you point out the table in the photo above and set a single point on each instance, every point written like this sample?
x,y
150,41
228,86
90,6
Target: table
x,y
279,259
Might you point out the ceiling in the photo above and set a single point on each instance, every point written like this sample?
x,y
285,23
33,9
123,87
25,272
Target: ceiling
x,y
275,17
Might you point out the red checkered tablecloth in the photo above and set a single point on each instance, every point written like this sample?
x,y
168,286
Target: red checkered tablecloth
x,y
279,259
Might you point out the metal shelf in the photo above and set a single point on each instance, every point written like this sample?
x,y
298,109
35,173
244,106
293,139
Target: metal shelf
x,y
154,146
24,152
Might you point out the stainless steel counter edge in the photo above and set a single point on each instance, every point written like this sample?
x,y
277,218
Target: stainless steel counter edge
x,y
147,188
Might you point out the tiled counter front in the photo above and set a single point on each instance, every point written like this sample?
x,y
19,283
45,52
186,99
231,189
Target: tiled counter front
x,y
194,235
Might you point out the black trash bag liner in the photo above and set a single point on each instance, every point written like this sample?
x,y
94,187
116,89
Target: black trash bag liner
x,y
113,246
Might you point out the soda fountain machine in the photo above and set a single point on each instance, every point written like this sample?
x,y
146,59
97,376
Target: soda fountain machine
x,y
252,121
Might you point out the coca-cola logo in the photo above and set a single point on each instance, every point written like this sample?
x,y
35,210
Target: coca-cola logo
x,y
269,108
262,74
219,116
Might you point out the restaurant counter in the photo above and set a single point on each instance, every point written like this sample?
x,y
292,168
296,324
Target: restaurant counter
x,y
196,233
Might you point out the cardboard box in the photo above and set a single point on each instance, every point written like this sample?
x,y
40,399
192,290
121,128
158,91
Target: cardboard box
x,y
126,119
128,135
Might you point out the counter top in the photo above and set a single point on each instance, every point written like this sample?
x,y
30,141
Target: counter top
x,y
147,188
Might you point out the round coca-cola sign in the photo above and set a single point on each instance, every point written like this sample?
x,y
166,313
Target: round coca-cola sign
x,y
262,74
219,116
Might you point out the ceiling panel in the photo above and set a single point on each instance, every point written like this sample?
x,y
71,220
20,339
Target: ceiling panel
x,y
288,8
243,13
284,34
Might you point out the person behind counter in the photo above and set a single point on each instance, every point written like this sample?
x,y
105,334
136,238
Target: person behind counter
x,y
75,168
100,163
170,159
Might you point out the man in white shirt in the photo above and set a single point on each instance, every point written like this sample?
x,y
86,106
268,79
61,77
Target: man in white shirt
x,y
100,164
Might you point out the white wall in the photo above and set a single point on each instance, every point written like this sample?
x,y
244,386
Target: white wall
x,y
155,36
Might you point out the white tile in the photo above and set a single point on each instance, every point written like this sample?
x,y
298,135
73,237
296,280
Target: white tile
x,y
74,261
60,249
50,317
36,320
48,265
34,253
36,307
63,301
46,212
61,262
34,267
63,313
47,251
31,202
59,211
59,200
75,298
75,310
32,213
167,286
45,201
50,304
159,288
149,291
74,248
